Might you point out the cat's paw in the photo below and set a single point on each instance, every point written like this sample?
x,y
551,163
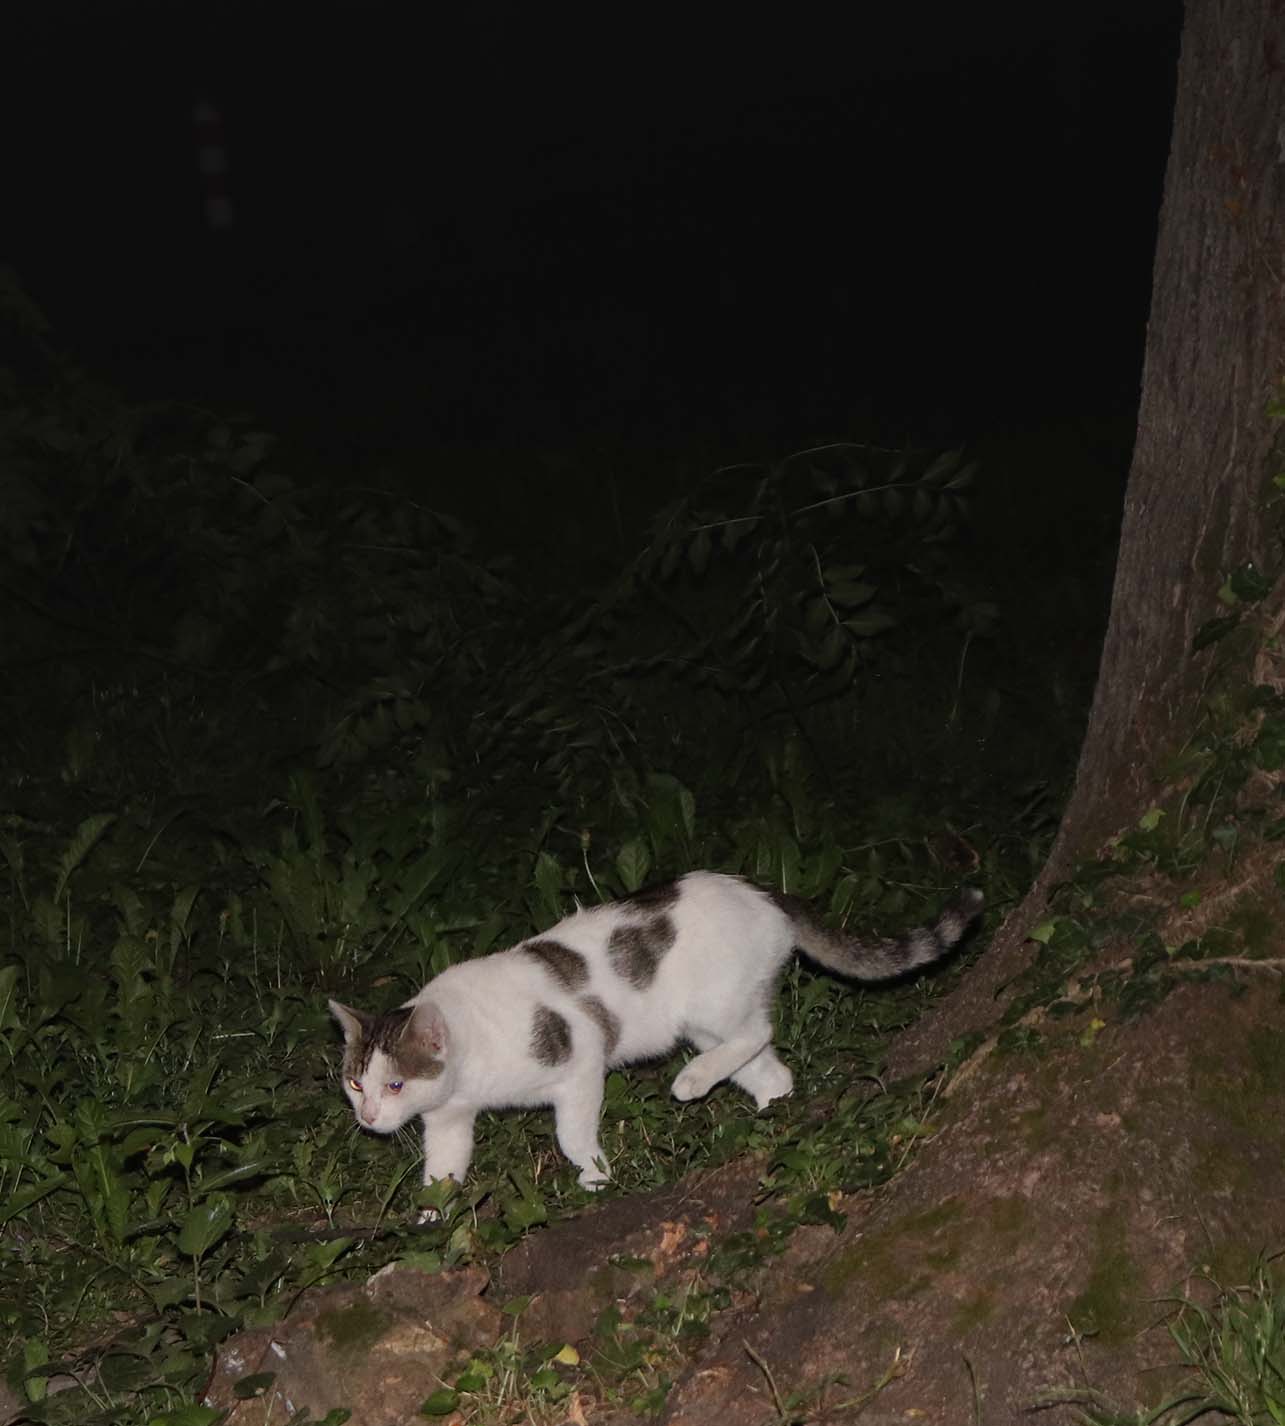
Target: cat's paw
x,y
426,1217
775,1082
593,1178
691,1082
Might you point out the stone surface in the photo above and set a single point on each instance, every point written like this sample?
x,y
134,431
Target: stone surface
x,y
378,1349
1070,1188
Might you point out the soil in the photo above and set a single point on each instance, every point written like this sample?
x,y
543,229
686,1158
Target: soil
x,y
1033,1245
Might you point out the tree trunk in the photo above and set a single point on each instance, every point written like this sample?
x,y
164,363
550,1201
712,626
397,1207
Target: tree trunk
x,y
1195,507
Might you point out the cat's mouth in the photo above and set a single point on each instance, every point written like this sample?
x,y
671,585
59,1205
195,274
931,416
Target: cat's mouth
x,y
385,1123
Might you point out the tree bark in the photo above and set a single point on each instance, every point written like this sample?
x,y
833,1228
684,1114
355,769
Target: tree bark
x,y
1196,502
1196,505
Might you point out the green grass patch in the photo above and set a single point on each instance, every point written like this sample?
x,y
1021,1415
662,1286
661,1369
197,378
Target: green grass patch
x,y
264,740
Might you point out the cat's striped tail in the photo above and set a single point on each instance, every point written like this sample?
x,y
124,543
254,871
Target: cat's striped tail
x,y
881,959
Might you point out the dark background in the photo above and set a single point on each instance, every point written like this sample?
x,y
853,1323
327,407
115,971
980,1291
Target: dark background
x,y
508,253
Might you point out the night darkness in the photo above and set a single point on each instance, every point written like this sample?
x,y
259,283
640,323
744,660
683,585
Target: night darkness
x,y
645,237
565,449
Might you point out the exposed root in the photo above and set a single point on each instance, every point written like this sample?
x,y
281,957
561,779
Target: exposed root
x,y
1084,989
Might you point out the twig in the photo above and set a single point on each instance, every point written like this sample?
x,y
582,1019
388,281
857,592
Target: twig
x,y
781,1413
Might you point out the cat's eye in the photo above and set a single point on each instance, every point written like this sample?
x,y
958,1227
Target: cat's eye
x,y
355,1084
394,1086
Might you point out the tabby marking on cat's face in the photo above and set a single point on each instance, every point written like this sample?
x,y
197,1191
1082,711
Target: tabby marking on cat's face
x,y
383,1055
409,1055
387,1034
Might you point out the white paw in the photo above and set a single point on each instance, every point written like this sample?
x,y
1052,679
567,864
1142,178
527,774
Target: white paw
x,y
691,1083
775,1086
427,1216
593,1178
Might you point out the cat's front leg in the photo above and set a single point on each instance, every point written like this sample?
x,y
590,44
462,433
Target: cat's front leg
x,y
448,1143
448,1149
576,1110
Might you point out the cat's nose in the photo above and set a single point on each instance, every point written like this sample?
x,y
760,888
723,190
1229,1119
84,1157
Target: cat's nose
x,y
369,1112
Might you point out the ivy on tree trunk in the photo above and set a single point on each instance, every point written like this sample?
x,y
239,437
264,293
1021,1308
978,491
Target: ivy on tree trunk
x,y
1197,502
1196,506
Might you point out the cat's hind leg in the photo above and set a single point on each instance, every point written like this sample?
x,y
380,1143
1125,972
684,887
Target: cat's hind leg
x,y
722,1059
577,1107
764,1078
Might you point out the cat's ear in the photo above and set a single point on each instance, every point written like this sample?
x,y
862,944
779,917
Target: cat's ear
x,y
426,1030
353,1022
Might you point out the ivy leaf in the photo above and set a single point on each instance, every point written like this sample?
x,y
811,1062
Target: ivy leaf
x,y
687,809
633,862
1212,631
965,477
873,621
698,552
1269,750
256,1168
80,846
942,468
816,615
833,647
248,1387
204,1226
548,882
191,1415
1248,584
852,594
20,1201
8,988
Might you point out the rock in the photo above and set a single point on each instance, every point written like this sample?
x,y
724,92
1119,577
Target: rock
x,y
378,1349
11,1404
623,1250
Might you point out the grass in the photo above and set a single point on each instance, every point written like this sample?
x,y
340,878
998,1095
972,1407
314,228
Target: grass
x,y
170,1114
1231,1352
263,741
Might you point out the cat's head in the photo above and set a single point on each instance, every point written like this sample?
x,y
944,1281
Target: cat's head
x,y
396,1065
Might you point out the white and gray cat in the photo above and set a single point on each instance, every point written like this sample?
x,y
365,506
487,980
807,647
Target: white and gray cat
x,y
697,960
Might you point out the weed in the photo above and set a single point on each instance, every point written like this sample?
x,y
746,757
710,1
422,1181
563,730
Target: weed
x,y
264,739
1232,1351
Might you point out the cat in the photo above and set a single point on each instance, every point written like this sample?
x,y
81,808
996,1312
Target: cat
x,y
696,960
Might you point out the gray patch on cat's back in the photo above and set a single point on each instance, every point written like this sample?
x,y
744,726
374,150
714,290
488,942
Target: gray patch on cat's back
x,y
566,966
794,906
607,1022
635,951
653,898
550,1037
